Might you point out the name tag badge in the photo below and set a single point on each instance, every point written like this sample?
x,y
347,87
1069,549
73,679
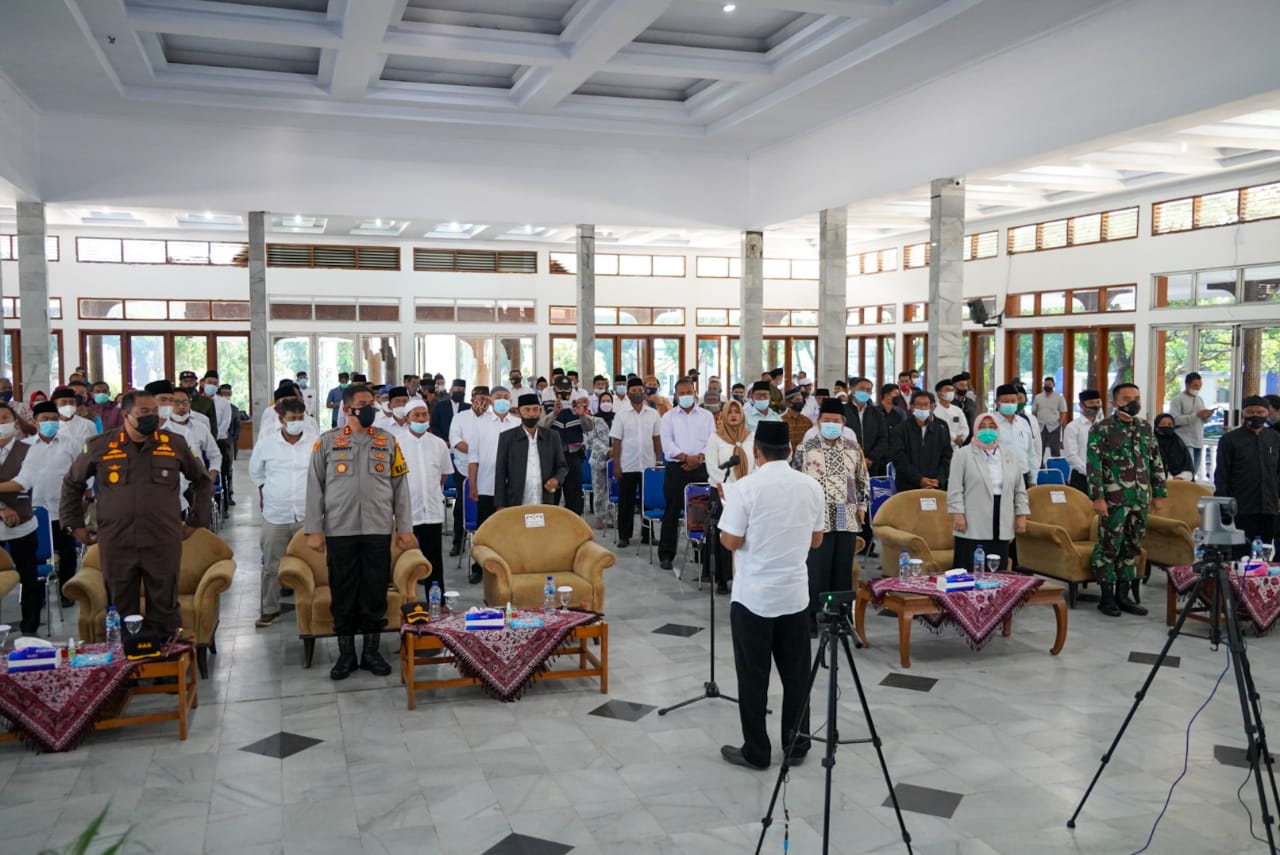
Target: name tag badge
x,y
928,504
535,521
1058,497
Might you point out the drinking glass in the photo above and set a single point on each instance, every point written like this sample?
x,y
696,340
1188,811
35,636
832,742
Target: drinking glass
x,y
1268,551
451,601
5,629
565,592
993,563
132,624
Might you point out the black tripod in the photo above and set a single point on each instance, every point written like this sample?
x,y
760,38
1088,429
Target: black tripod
x,y
833,617
1215,569
710,542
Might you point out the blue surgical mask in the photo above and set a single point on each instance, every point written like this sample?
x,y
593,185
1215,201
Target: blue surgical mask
x,y
831,430
48,429
420,428
211,390
761,405
501,406
621,388
686,402
861,397
101,398
921,415
1008,409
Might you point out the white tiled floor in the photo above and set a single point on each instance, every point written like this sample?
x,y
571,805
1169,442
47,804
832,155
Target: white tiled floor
x,y
1018,733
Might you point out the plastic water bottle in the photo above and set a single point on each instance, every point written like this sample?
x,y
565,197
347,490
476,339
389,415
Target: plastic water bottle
x,y
1256,550
113,625
433,600
904,564
549,596
979,561
1199,553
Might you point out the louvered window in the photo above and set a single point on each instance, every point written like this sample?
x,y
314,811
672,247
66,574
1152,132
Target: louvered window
x,y
1022,239
1052,235
982,245
917,255
1217,209
333,257
1260,203
431,260
1119,225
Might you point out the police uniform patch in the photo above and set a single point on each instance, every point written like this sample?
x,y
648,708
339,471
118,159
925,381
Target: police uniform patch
x,y
379,468
398,466
113,477
315,447
341,469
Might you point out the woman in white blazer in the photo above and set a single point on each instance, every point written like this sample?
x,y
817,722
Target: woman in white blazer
x,y
986,495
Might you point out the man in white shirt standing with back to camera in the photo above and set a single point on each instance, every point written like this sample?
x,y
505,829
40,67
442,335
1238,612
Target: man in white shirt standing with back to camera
x,y
278,467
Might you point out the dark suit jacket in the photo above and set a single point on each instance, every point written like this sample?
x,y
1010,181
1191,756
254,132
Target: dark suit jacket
x,y
872,433
513,459
442,417
915,457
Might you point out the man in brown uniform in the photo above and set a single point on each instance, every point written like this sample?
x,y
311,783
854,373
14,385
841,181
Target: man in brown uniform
x,y
357,496
140,529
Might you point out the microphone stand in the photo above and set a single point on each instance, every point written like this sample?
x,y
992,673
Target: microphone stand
x,y
710,543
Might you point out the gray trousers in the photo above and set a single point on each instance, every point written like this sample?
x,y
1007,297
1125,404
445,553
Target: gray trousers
x,y
273,538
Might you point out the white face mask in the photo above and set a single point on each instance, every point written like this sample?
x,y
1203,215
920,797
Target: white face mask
x,y
180,419
399,412
7,429
165,412
294,428
67,410
948,396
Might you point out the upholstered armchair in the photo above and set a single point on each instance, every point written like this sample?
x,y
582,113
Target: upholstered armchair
x,y
903,523
517,560
8,576
1168,541
306,573
207,568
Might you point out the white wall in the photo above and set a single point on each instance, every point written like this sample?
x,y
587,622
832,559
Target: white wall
x,y
19,142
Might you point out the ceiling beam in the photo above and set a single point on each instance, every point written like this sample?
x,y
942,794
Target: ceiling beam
x,y
842,8
357,63
229,25
446,41
678,61
592,37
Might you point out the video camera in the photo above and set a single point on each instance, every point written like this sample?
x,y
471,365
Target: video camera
x,y
836,604
1213,531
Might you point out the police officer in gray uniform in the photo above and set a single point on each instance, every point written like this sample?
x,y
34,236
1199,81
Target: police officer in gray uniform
x,y
357,496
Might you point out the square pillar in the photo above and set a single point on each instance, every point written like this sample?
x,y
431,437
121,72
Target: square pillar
x,y
587,305
833,250
946,279
33,295
259,343
751,331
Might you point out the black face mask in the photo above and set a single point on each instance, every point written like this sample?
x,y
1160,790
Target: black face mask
x,y
1090,411
651,390
147,424
458,397
1131,409
635,397
529,421
515,381
797,405
1048,390
365,415
1255,422
1165,430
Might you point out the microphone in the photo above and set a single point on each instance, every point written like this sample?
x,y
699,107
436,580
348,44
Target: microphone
x,y
730,463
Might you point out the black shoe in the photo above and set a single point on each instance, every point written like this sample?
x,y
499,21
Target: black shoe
x,y
455,550
67,602
797,759
623,544
474,575
1125,602
722,588
666,564
371,658
286,592
735,756
346,664
231,502
1107,605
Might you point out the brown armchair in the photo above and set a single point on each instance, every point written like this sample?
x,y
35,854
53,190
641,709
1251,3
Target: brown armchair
x,y
1168,541
8,576
517,560
207,568
306,573
901,524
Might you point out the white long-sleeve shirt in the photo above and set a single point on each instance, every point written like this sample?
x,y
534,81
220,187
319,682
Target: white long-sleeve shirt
x,y
1075,443
954,418
280,468
1186,423
1017,434
483,447
44,468
462,428
428,459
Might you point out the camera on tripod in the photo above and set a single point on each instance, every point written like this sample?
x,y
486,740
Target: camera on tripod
x,y
1213,531
835,605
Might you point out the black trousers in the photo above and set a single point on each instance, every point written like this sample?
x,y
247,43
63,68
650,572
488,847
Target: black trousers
x,y
23,552
1254,525
677,478
1079,481
628,487
485,508
430,537
571,489
64,546
459,477
228,461
1050,443
359,573
756,640
830,568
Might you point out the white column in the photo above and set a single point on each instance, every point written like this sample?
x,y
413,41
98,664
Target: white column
x,y
833,250
946,279
259,342
751,331
587,304
33,296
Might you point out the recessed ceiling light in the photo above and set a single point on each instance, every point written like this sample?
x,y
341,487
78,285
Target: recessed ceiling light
x,y
729,7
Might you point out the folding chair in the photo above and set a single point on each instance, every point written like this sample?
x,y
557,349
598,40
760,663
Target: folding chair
x,y
45,571
1061,465
470,519
653,504
697,512
588,488
881,489
1049,476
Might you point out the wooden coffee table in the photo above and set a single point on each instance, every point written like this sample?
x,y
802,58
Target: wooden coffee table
x,y
909,606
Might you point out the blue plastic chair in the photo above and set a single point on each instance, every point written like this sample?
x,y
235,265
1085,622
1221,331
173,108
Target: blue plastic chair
x,y
1050,476
470,518
881,489
45,569
1061,465
694,539
653,503
588,489
450,489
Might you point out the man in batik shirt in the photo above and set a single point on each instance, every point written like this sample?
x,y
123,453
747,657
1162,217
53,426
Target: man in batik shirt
x,y
834,459
1125,473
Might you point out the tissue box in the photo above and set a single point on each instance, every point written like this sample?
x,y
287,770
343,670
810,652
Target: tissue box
x,y
33,659
955,580
485,619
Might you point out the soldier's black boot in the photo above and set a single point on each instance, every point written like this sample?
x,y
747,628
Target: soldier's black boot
x,y
346,664
1125,602
1108,603
371,659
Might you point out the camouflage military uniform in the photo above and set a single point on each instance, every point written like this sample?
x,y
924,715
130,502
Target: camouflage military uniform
x,y
1124,468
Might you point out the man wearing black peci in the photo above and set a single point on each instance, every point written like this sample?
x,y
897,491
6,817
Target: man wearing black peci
x,y
771,520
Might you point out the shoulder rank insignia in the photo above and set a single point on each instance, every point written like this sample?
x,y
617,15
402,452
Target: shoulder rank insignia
x,y
315,447
398,466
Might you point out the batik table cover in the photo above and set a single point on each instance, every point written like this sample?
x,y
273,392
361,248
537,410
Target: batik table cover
x,y
975,614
